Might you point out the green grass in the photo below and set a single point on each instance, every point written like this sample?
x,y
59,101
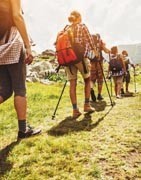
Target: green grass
x,y
105,145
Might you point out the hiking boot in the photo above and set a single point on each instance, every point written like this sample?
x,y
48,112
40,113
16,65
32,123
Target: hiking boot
x,y
29,132
93,97
99,97
76,113
118,97
88,108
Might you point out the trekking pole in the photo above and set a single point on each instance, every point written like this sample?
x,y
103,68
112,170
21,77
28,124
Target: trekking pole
x,y
110,78
53,116
112,103
111,86
135,80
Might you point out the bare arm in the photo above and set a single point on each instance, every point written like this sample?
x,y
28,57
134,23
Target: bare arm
x,y
106,50
20,24
131,63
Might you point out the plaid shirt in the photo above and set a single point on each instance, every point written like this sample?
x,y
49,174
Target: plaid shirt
x,y
83,37
10,51
99,47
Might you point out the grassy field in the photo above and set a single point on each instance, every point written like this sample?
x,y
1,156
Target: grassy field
x,y
105,145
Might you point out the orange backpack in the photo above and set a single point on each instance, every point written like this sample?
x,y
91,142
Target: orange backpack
x,y
66,55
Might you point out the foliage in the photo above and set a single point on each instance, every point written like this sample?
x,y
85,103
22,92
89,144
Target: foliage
x,y
56,77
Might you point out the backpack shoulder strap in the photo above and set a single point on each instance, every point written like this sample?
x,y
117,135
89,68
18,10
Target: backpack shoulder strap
x,y
66,27
119,58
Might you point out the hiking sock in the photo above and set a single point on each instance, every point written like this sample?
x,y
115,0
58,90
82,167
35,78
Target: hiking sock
x,y
99,97
74,106
93,97
122,91
22,125
87,101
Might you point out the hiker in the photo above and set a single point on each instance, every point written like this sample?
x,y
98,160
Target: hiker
x,y
128,62
116,70
82,36
15,53
97,67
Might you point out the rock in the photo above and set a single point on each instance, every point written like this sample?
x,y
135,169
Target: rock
x,y
48,52
41,66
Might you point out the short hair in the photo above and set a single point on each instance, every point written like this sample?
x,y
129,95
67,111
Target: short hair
x,y
114,50
124,52
94,36
98,35
74,15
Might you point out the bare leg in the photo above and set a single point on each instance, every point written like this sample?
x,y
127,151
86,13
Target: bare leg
x,y
87,88
100,85
1,99
119,85
116,89
73,84
20,104
73,97
92,84
127,85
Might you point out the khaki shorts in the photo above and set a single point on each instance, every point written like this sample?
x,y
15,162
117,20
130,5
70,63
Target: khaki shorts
x,y
73,69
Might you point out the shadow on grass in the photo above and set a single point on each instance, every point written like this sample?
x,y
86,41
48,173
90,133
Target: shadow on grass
x,y
99,105
6,165
69,125
129,94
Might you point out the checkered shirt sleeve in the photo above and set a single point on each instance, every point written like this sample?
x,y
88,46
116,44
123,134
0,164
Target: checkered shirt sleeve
x,y
10,51
83,36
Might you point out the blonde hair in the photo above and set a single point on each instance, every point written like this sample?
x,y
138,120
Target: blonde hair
x,y
74,16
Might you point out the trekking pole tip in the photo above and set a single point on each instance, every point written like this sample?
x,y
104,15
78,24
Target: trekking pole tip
x,y
113,104
53,117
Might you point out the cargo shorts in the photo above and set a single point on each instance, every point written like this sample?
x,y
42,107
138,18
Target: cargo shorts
x,y
96,72
12,79
73,70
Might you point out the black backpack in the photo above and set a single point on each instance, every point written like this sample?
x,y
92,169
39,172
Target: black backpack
x,y
5,17
115,64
